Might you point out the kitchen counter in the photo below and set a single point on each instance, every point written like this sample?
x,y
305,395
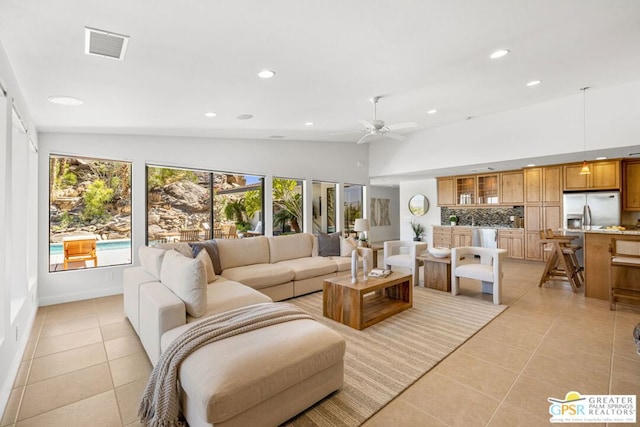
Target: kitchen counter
x,y
597,260
601,231
499,227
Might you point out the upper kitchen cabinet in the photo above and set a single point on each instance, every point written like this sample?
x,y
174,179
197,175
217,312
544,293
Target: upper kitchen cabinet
x,y
488,189
543,185
512,188
631,185
446,191
604,175
466,190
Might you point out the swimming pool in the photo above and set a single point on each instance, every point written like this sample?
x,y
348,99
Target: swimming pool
x,y
103,245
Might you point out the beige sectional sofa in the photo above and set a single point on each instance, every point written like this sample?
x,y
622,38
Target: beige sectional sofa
x,y
219,381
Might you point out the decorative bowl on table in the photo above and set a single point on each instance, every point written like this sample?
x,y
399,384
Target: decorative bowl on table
x,y
439,252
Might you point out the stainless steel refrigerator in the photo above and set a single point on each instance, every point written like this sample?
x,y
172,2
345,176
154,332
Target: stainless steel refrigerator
x,y
583,211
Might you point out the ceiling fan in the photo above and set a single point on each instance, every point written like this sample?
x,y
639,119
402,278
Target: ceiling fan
x,y
377,127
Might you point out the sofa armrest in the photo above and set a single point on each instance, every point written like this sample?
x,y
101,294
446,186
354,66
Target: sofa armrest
x,y
133,278
160,311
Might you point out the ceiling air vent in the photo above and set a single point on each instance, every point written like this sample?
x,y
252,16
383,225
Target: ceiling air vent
x,y
105,43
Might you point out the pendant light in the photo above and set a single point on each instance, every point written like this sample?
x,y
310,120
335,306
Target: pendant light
x,y
585,167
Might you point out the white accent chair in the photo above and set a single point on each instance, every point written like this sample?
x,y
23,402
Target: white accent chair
x,y
488,270
400,253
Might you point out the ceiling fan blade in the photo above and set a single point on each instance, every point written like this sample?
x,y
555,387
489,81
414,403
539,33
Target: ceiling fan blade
x,y
405,125
364,138
395,136
367,124
345,133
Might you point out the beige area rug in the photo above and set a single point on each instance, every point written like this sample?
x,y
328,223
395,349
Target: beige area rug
x,y
384,359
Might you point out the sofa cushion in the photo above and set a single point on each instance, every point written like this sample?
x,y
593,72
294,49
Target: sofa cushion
x,y
329,244
307,267
224,295
252,367
205,259
181,247
151,260
259,276
282,248
344,262
347,246
240,252
186,278
211,247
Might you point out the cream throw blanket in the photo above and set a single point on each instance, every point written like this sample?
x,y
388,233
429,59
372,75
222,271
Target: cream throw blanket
x,y
160,405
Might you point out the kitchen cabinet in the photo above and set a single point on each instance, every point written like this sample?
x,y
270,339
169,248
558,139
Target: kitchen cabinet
x,y
446,191
488,189
466,190
512,241
512,188
605,175
543,206
442,236
631,185
461,236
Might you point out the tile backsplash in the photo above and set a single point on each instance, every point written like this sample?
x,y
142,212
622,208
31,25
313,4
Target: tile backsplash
x,y
489,217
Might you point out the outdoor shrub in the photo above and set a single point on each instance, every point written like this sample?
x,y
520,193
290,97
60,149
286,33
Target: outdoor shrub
x,y
95,198
69,179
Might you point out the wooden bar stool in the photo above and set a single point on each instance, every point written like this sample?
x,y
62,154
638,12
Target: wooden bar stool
x,y
569,249
624,271
562,263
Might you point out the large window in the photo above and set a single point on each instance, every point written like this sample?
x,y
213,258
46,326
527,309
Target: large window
x,y
89,213
324,207
353,203
189,205
287,206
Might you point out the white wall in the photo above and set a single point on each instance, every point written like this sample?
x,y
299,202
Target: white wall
x,y
545,129
388,232
18,288
335,162
408,189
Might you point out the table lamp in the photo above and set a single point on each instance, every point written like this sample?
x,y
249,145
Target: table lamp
x,y
361,225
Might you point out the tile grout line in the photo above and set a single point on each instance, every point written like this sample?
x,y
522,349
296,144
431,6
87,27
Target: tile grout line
x,y
26,380
531,356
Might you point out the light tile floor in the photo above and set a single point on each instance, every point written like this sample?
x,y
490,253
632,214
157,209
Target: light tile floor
x,y
84,365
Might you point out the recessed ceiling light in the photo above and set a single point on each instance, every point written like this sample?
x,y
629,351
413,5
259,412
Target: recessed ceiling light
x,y
210,114
308,124
533,83
65,100
244,117
266,74
499,53
530,165
432,111
601,158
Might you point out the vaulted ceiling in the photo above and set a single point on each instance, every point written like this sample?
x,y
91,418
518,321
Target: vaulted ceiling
x,y
187,58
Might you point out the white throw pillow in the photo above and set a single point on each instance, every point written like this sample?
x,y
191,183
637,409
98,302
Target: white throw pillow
x,y
186,277
151,260
347,246
205,259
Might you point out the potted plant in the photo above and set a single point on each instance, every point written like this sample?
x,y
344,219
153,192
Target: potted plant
x,y
418,229
453,220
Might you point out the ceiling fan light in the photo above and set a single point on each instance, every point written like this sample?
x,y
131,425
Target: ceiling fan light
x,y
585,169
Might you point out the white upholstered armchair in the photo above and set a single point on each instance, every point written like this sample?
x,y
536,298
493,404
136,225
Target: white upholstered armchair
x,y
400,253
488,269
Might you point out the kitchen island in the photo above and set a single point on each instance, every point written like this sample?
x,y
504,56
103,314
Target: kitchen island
x,y
597,259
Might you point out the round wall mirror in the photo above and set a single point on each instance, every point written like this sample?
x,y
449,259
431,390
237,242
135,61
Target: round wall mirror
x,y
418,205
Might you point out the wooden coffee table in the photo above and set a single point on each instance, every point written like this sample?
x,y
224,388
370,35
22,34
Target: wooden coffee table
x,y
365,303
